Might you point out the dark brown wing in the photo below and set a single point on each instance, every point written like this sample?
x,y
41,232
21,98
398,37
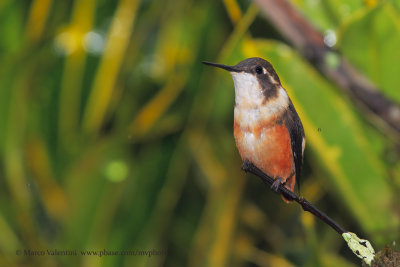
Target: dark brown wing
x,y
296,131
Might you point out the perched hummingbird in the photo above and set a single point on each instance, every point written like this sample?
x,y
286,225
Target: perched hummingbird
x,y
268,132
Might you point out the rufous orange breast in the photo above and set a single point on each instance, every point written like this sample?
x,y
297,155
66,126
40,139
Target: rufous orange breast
x,y
268,146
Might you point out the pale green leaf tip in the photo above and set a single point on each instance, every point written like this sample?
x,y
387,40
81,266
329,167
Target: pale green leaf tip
x,y
361,248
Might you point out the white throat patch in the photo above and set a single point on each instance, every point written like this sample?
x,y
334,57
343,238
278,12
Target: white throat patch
x,y
249,99
247,89
248,92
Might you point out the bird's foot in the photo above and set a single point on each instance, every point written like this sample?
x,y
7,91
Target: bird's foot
x,y
275,185
246,165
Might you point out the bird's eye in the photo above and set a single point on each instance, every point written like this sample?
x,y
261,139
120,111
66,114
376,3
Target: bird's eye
x,y
259,70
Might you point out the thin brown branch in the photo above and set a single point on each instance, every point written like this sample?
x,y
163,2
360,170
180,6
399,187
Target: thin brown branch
x,y
307,206
310,42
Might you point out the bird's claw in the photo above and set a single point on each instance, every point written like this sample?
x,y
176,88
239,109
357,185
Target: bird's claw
x,y
246,165
275,185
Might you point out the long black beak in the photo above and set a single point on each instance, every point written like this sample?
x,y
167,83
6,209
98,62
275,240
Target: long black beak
x,y
221,66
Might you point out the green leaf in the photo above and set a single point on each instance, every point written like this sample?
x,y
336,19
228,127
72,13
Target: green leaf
x,y
371,42
328,14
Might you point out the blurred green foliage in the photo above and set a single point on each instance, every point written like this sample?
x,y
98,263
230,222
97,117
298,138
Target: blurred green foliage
x,y
114,136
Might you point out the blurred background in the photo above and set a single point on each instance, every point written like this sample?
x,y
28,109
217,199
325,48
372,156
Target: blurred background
x,y
114,136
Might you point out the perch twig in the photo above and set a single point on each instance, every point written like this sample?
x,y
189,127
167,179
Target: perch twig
x,y
360,247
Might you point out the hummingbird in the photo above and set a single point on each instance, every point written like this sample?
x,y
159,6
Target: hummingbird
x,y
267,129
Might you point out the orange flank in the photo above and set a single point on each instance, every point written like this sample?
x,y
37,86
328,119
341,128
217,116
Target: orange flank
x,y
268,146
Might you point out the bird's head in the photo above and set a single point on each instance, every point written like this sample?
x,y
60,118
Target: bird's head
x,y
256,81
